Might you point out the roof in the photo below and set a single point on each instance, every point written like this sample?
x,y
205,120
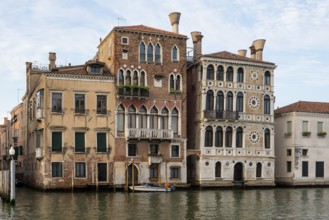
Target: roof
x,y
231,56
79,70
146,29
303,106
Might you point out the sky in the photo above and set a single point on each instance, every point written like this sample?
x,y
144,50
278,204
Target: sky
x,y
296,33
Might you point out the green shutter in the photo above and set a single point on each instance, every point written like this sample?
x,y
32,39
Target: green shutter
x,y
101,142
305,169
79,142
319,169
56,141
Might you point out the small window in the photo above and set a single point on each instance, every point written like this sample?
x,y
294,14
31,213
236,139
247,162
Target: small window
x,y
80,169
304,152
174,172
56,102
101,104
289,152
56,169
288,166
80,103
154,149
132,150
101,142
174,54
56,142
125,54
95,69
124,40
319,169
79,142
175,151
154,171
305,169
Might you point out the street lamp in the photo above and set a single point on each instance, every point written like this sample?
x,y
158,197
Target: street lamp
x,y
12,175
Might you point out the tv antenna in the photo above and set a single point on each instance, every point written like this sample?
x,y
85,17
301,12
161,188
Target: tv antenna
x,y
120,19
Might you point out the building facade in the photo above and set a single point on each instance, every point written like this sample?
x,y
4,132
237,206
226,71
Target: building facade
x,y
230,117
150,110
69,138
301,144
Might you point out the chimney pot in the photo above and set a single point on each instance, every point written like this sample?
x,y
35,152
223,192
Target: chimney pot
x,y
242,52
52,60
197,43
174,20
259,46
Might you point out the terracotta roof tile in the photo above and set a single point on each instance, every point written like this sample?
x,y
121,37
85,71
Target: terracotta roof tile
x,y
77,70
303,106
232,56
146,29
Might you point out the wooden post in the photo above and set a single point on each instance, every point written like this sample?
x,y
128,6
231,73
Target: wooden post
x,y
126,177
133,175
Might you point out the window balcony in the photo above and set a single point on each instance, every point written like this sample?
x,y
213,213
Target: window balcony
x,y
225,115
133,91
142,133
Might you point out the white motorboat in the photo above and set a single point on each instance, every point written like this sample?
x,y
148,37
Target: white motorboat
x,y
149,187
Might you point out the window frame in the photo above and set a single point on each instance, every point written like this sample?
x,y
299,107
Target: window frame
x,y
55,101
80,170
60,135
101,149
175,153
57,169
132,150
175,172
101,104
83,148
79,103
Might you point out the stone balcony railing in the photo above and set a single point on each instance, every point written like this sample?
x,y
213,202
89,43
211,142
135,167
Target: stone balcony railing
x,y
238,152
133,91
142,133
226,115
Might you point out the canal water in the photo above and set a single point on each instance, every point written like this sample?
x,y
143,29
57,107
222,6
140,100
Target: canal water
x,y
277,203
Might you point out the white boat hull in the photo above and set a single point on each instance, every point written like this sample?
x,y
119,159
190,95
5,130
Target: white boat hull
x,y
149,188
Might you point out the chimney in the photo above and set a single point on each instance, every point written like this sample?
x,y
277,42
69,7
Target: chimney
x,y
197,44
52,60
259,46
174,20
252,51
242,53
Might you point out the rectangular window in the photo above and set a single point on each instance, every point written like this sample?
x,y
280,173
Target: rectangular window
x,y
102,172
174,150
305,126
56,141
289,152
101,104
80,169
39,99
56,102
289,129
125,40
320,127
95,69
79,142
288,166
304,152
174,172
132,150
101,142
80,103
305,169
154,149
154,171
319,169
56,169
125,55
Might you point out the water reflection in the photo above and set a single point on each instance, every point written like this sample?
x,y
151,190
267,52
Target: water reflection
x,y
285,203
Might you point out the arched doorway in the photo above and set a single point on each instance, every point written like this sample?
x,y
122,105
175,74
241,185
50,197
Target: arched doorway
x,y
131,173
238,172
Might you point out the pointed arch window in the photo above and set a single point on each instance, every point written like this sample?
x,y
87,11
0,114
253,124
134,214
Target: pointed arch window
x,y
239,102
267,79
219,137
178,83
172,82
228,137
142,79
121,78
229,74
131,117
120,118
210,100
157,53
208,137
174,120
150,53
135,78
240,75
267,104
174,54
142,117
239,138
154,118
210,72
164,119
259,170
229,101
220,73
142,52
218,169
128,77
267,138
220,101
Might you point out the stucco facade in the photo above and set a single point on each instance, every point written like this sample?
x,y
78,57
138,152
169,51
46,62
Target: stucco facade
x,y
301,144
230,119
